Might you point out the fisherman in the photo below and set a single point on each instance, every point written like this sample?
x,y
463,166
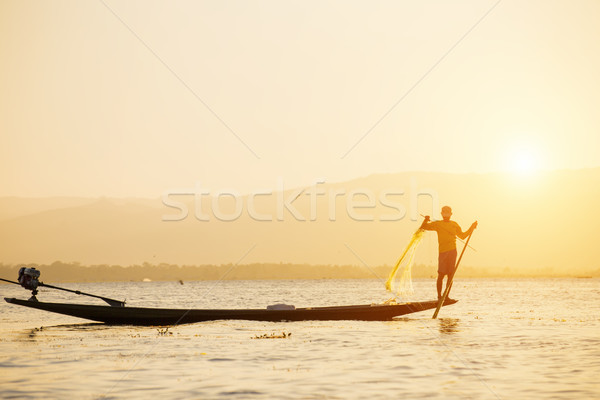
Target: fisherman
x,y
447,231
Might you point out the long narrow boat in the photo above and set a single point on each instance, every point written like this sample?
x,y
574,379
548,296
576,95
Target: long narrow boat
x,y
167,316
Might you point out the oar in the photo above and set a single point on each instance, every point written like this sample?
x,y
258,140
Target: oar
x,y
112,302
451,280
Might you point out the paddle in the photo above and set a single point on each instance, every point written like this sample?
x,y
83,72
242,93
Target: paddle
x,y
451,280
111,302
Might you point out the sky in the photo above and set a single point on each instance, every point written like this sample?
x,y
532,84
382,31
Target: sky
x,y
137,98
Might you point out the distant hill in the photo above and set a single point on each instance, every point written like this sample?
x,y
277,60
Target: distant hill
x,y
540,222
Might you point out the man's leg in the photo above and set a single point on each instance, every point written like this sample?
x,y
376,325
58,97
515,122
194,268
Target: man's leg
x,y
440,282
450,278
451,267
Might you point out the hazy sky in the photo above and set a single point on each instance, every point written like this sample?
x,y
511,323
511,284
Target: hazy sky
x,y
135,98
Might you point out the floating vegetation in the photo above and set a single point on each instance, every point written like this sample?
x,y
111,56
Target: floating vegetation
x,y
164,332
273,336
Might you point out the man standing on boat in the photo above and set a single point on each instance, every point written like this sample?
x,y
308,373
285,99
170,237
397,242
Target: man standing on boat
x,y
447,231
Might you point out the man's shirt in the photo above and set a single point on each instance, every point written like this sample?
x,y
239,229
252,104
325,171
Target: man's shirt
x,y
447,232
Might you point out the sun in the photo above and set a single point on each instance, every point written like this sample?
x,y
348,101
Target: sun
x,y
523,160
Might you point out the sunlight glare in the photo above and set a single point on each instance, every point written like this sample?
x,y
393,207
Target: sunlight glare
x,y
523,161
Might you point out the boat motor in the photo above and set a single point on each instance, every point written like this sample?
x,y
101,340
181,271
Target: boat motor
x,y
28,278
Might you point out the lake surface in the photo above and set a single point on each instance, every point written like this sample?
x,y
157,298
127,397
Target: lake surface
x,y
504,339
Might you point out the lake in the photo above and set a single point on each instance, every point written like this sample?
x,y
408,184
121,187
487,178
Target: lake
x,y
504,339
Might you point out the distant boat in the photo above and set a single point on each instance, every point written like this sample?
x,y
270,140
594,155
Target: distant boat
x,y
170,316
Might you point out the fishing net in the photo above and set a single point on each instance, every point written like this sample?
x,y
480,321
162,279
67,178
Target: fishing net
x,y
400,280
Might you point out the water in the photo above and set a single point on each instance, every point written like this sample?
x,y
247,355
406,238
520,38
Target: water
x,y
510,338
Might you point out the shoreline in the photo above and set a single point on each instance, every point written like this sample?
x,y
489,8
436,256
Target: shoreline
x,y
75,272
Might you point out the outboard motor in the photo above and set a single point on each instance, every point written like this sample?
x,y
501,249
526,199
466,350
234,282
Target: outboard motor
x,y
28,278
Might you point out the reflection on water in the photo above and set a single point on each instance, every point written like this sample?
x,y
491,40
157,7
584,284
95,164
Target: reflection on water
x,y
449,325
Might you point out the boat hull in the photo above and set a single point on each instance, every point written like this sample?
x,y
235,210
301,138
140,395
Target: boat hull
x,y
166,316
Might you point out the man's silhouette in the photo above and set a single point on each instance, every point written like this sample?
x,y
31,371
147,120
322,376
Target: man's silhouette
x,y
447,231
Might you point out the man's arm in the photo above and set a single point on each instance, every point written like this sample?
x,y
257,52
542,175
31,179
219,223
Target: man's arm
x,y
426,225
464,235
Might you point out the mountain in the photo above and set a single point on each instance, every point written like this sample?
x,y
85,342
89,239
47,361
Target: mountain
x,y
541,222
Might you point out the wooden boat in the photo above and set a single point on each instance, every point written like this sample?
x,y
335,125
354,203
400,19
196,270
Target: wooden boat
x,y
166,316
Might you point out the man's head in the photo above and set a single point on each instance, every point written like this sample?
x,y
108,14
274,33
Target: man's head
x,y
446,213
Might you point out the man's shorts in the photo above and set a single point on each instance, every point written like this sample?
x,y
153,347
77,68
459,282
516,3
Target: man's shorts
x,y
447,262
